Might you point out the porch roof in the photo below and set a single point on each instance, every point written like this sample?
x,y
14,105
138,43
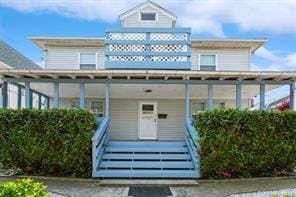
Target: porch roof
x,y
47,74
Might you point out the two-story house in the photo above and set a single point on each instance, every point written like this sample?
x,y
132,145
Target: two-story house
x,y
145,79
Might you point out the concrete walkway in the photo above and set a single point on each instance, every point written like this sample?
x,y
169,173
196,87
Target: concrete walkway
x,y
94,188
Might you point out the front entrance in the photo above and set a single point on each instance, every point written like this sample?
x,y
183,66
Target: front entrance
x,y
148,120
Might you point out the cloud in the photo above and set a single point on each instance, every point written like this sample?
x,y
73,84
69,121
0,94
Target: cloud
x,y
275,16
275,62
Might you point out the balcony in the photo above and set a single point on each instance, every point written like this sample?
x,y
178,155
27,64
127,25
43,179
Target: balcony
x,y
148,48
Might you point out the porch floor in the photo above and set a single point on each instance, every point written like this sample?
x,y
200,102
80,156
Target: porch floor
x,y
147,159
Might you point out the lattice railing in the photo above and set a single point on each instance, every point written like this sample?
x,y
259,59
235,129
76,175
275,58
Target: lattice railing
x,y
160,48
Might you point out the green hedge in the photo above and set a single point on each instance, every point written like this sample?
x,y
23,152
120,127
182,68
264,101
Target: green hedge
x,y
242,143
51,142
23,188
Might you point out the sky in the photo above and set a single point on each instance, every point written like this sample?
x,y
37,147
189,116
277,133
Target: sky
x,y
274,20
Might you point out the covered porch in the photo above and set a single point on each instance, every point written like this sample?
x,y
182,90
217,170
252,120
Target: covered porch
x,y
117,151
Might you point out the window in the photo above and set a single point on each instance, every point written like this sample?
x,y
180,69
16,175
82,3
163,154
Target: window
x,y
197,107
87,61
220,105
207,62
97,108
76,104
148,16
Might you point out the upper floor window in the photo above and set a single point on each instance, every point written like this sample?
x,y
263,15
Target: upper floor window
x,y
87,61
148,16
207,62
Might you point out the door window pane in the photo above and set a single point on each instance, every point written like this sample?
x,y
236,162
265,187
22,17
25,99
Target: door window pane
x,y
147,107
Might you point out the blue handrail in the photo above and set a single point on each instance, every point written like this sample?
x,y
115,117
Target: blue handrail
x,y
99,142
192,138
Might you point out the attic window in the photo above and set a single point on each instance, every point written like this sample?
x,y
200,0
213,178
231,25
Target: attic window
x,y
148,16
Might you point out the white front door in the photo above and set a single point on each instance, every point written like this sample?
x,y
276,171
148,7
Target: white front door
x,y
147,120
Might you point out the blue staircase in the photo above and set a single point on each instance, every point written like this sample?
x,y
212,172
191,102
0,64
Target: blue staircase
x,y
146,159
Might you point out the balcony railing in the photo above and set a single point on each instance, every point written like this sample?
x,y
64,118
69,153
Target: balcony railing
x,y
148,48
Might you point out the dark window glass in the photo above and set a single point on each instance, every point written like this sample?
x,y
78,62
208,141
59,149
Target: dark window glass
x,y
87,66
147,107
207,68
148,16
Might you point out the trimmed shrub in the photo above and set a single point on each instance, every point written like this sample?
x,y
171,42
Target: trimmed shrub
x,y
23,188
241,143
47,142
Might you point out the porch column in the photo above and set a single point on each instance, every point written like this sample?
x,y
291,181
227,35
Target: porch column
x,y
187,100
210,97
262,96
56,93
19,97
107,98
4,95
82,96
292,96
28,95
238,92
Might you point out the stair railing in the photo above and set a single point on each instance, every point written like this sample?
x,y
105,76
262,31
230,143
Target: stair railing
x,y
192,137
99,142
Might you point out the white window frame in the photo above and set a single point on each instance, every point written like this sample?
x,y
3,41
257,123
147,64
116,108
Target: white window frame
x,y
201,101
96,58
95,100
72,107
216,60
148,12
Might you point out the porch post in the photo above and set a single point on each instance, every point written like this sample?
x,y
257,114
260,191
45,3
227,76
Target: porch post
x,y
56,95
82,96
187,100
4,95
19,97
262,96
107,98
238,92
292,96
210,97
28,95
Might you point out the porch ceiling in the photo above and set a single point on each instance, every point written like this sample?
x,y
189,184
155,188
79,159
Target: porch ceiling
x,y
138,91
128,75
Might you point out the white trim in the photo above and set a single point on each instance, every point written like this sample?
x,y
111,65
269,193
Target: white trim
x,y
216,60
140,103
94,52
136,9
89,101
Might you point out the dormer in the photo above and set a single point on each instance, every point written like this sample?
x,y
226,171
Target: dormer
x,y
148,14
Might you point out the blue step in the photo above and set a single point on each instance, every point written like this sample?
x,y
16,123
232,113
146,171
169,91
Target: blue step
x,y
147,164
147,149
147,173
146,144
128,156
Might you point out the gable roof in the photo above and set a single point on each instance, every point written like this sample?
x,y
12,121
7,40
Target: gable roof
x,y
148,3
11,58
